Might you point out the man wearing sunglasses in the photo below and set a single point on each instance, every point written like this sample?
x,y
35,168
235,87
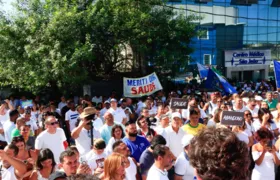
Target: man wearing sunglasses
x,y
52,138
252,107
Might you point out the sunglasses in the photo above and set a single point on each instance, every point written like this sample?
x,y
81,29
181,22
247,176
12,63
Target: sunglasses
x,y
53,123
18,139
219,101
248,114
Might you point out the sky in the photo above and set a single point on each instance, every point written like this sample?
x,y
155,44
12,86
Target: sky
x,y
6,6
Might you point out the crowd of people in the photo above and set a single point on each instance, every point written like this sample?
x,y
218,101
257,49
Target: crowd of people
x,y
123,138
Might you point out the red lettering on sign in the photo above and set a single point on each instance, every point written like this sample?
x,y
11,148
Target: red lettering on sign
x,y
143,89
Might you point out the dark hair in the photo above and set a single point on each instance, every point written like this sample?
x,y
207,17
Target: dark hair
x,y
13,112
116,127
129,122
14,148
218,154
17,139
158,139
263,111
73,148
116,144
44,154
193,112
99,144
140,118
66,153
263,133
160,150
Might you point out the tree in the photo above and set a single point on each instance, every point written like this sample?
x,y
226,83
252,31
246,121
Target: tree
x,y
62,44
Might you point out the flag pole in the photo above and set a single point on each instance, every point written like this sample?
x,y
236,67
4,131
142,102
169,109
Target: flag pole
x,y
275,74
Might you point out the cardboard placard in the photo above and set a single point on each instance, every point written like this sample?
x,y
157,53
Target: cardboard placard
x,y
232,118
179,103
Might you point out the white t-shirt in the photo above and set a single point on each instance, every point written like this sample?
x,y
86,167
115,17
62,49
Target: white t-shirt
x,y
8,174
72,117
211,123
254,112
52,141
94,160
98,123
5,117
83,142
240,110
33,125
34,115
242,136
103,111
161,131
109,147
118,114
131,171
61,105
173,140
97,99
8,128
183,168
157,174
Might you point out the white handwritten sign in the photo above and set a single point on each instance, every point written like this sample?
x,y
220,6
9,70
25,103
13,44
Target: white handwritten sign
x,y
232,118
178,103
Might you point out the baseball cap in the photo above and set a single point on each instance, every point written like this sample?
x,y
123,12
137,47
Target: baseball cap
x,y
106,102
113,100
176,114
258,98
186,140
57,174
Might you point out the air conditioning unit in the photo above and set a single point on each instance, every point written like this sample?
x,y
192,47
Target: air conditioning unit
x,y
244,2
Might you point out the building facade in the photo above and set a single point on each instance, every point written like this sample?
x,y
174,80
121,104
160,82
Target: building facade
x,y
233,27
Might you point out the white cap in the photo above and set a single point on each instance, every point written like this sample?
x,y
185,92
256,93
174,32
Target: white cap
x,y
186,140
258,98
176,114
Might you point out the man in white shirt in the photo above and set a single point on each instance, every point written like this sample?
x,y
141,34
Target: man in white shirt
x,y
252,107
52,138
118,113
11,168
105,109
183,169
62,103
10,125
32,123
163,124
238,105
163,159
174,134
71,116
211,105
82,133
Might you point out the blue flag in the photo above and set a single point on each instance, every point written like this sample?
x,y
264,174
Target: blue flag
x,y
218,83
277,73
203,71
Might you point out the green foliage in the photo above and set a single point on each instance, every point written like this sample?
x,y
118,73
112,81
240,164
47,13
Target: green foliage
x,y
67,43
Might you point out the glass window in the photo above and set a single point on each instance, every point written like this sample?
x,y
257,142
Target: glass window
x,y
204,34
207,59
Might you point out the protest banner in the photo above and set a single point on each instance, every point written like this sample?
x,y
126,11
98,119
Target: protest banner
x,y
27,103
232,118
179,103
144,86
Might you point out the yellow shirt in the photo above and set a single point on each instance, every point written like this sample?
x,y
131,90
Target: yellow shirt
x,y
193,130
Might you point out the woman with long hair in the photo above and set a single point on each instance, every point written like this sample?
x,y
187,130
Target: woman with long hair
x,y
249,120
114,167
244,134
265,120
265,156
45,165
117,133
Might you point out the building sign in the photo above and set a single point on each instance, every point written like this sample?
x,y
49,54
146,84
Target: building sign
x,y
235,58
144,86
178,103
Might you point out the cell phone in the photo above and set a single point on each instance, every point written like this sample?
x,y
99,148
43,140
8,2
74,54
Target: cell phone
x,y
83,160
269,144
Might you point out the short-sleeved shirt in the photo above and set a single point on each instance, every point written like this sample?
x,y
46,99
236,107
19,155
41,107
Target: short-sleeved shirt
x,y
72,117
272,104
137,147
105,132
118,114
183,168
146,161
193,130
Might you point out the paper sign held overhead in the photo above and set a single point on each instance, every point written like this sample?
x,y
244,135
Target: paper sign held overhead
x,y
232,118
144,86
179,103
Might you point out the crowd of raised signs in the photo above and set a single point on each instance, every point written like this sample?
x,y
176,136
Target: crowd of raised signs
x,y
137,138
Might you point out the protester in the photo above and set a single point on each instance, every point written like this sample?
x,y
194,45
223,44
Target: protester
x,y
174,134
163,159
82,133
114,167
71,116
183,169
145,130
118,113
117,134
45,165
211,105
52,138
62,103
29,140
265,156
105,109
244,134
270,101
147,160
19,122
136,144
163,124
193,127
9,125
131,164
219,154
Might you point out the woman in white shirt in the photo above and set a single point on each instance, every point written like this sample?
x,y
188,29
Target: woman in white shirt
x,y
265,156
244,134
117,134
